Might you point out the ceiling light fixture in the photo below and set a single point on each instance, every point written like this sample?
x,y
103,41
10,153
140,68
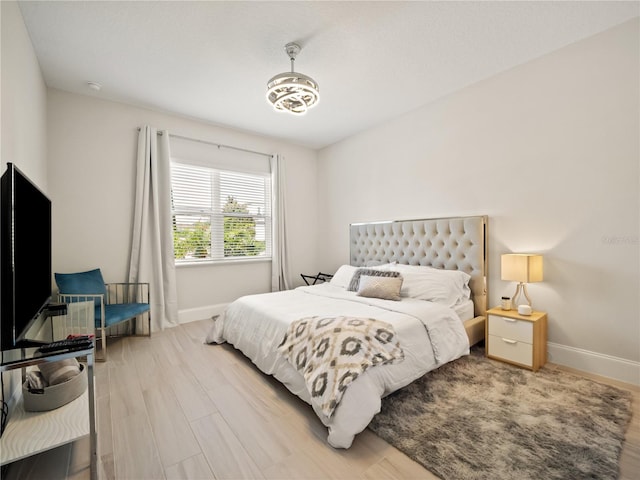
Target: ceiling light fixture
x,y
290,91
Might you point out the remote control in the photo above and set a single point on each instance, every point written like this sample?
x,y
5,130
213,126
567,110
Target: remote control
x,y
78,343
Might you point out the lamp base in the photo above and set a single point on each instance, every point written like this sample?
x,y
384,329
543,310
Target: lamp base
x,y
521,288
524,310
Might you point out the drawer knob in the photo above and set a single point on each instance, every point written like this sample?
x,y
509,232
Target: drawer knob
x,y
506,340
511,320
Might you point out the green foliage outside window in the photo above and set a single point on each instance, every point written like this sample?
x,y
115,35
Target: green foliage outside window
x,y
239,233
191,241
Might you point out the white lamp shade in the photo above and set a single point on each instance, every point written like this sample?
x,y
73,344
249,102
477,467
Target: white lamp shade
x,y
521,267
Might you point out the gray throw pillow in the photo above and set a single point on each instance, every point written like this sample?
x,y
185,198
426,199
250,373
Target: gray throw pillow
x,y
386,288
355,280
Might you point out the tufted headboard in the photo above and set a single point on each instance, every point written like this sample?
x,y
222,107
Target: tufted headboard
x,y
457,243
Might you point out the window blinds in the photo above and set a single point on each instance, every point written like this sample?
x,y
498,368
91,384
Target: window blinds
x,y
221,204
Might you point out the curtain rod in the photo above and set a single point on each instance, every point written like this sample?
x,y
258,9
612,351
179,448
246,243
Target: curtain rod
x,y
219,145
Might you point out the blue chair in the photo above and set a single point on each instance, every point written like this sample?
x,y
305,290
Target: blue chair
x,y
114,302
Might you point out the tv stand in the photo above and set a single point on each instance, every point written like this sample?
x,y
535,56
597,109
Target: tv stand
x,y
23,435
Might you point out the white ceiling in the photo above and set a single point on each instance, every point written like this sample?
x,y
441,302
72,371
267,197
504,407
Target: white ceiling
x,y
211,60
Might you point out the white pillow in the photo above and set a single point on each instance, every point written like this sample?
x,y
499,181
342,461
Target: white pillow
x,y
343,276
447,287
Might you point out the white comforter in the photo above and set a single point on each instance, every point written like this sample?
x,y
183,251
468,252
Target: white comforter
x,y
430,335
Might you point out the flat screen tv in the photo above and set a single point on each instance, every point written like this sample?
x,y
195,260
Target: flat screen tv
x,y
25,244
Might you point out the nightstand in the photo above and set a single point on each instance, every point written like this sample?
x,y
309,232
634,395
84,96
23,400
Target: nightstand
x,y
517,339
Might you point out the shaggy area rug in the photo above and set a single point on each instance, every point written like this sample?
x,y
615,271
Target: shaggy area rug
x,y
477,418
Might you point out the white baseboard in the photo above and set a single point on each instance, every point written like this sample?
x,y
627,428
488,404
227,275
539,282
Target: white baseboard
x,y
616,368
200,313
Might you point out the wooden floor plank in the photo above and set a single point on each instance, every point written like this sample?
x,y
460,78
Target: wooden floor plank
x,y
173,435
299,465
208,366
193,400
397,466
148,372
125,402
264,441
225,455
134,449
194,468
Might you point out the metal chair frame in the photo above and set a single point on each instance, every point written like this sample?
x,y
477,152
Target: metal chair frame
x,y
117,293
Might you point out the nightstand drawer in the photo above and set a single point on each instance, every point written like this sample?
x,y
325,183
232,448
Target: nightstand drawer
x,y
511,350
520,330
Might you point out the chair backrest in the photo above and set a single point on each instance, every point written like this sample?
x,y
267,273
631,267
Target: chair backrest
x,y
82,283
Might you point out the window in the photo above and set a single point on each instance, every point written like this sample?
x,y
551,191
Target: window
x,y
219,214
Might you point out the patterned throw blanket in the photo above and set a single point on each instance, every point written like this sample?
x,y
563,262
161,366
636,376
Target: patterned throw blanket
x,y
332,352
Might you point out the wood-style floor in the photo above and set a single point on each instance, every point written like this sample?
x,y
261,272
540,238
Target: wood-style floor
x,y
173,407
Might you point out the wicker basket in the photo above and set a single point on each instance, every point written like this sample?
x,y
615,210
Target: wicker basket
x,y
56,395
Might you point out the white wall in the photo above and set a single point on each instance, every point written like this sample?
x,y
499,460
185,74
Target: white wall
x,y
92,153
23,96
550,151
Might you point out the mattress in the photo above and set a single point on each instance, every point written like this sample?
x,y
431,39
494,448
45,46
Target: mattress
x,y
464,310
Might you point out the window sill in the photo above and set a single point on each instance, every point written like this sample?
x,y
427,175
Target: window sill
x,y
211,263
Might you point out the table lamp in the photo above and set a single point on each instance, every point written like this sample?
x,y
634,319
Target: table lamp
x,y
522,268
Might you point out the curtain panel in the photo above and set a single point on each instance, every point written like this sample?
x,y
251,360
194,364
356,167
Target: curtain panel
x,y
152,258
279,262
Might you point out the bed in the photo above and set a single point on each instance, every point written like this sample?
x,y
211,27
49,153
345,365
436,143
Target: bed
x,y
432,318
